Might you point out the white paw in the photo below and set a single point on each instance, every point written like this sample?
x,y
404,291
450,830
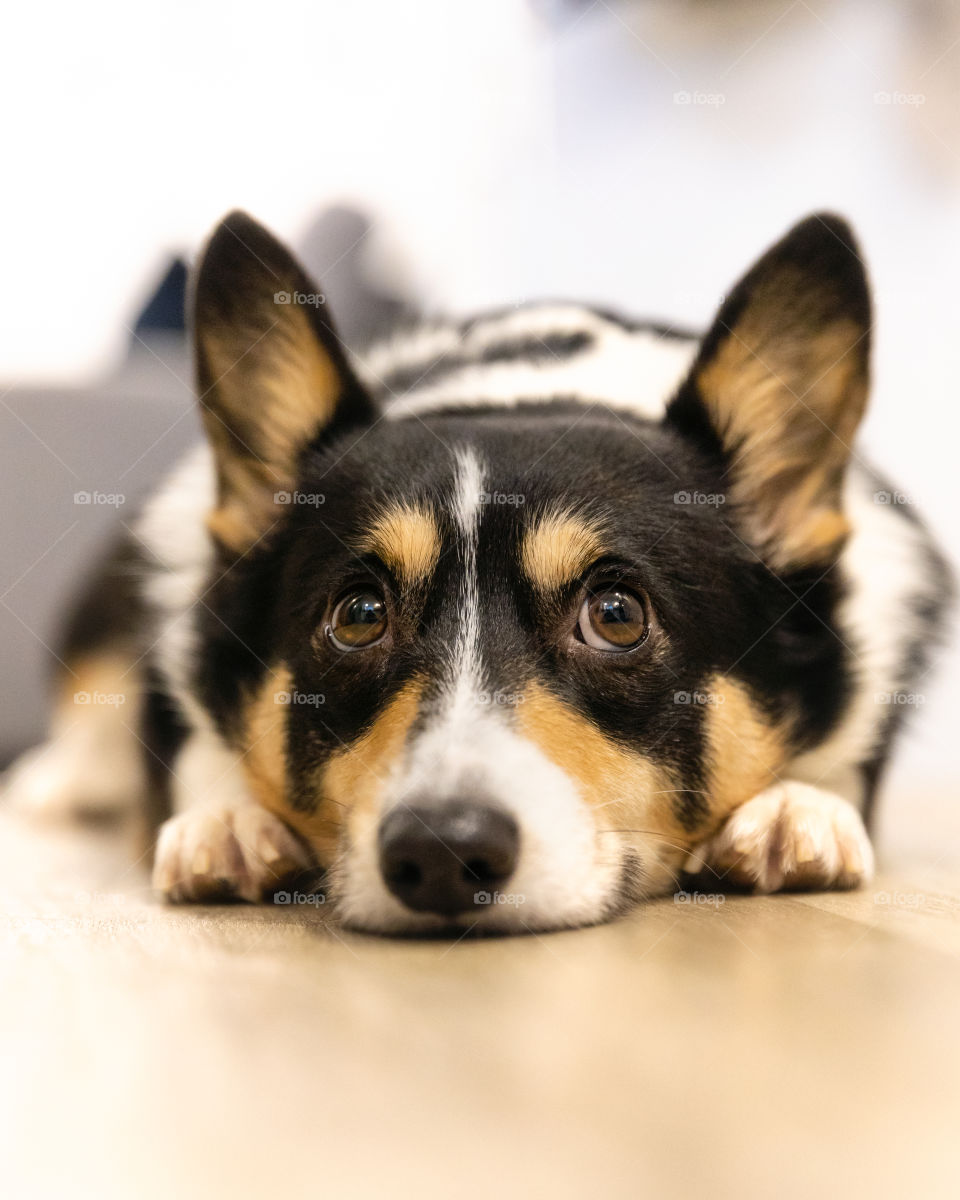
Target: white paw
x,y
226,851
790,836
68,777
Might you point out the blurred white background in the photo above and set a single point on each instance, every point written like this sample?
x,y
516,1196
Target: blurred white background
x,y
637,154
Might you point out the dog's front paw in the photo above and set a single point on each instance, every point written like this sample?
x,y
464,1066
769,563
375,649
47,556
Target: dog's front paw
x,y
790,836
224,851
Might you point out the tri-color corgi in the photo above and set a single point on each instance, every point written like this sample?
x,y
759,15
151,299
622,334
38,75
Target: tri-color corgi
x,y
516,620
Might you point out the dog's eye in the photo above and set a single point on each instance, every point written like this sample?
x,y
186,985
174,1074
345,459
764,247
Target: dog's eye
x,y
615,619
359,620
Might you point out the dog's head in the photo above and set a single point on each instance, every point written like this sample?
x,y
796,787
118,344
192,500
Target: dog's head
x,y
507,665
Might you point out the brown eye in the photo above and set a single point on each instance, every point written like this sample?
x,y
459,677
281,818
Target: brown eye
x,y
359,620
615,619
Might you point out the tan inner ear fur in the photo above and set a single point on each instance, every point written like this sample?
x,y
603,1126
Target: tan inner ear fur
x,y
259,414
788,408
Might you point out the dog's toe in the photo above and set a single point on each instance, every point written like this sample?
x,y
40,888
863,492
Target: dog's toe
x,y
792,835
225,852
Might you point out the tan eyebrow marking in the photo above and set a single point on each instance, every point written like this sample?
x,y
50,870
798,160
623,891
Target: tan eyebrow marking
x,y
558,549
406,537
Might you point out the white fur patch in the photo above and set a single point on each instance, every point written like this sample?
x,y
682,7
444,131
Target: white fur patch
x,y
884,569
789,836
220,835
637,370
564,876
467,508
173,529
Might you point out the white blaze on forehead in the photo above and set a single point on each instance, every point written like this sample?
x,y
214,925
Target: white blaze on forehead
x,y
468,493
467,679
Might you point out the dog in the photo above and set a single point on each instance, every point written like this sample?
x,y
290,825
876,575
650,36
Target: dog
x,y
510,623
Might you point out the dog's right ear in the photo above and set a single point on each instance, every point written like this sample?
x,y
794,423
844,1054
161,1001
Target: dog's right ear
x,y
272,374
779,387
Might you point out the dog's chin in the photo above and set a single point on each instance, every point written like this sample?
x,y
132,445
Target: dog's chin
x,y
535,900
476,923
377,912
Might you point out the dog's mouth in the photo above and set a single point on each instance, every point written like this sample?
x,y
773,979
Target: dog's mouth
x,y
420,887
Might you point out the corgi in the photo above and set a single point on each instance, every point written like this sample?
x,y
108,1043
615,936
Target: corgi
x,y
510,623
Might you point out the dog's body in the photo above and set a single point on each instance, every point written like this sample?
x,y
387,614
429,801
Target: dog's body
x,y
512,621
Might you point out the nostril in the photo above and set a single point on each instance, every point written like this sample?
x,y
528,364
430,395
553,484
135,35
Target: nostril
x,y
405,875
437,858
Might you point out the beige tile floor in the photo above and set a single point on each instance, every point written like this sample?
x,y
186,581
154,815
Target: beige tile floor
x,y
776,1047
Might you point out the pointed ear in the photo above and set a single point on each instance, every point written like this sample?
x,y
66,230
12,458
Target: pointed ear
x,y
272,374
778,389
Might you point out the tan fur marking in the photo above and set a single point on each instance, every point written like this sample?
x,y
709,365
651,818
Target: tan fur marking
x,y
265,745
791,434
355,776
558,549
407,539
103,686
622,787
259,415
348,784
745,750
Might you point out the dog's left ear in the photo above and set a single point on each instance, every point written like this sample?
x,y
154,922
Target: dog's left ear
x,y
272,375
779,387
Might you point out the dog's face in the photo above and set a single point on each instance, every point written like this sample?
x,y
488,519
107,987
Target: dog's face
x,y
488,662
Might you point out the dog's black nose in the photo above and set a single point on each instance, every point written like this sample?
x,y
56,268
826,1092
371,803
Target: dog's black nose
x,y
447,859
